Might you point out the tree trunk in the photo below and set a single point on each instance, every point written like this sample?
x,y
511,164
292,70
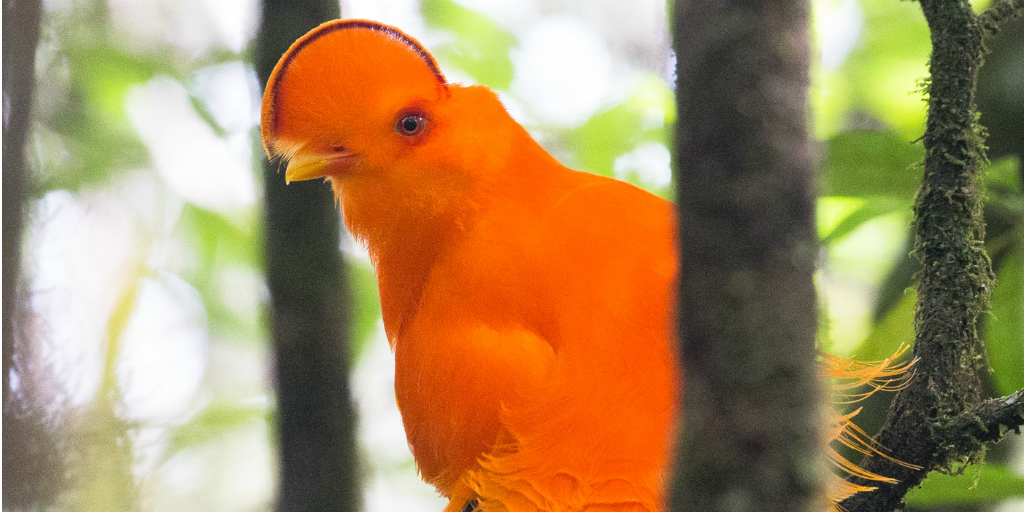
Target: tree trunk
x,y
21,32
32,468
309,319
752,424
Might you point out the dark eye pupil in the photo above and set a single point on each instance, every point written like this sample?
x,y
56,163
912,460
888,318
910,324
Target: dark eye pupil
x,y
410,124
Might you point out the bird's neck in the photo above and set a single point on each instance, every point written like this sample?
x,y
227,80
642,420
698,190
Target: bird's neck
x,y
404,233
408,216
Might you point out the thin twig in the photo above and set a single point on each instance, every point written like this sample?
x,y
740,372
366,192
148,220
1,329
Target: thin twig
x,y
989,422
998,12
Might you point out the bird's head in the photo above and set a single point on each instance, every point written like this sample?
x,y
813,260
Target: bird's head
x,y
366,106
349,97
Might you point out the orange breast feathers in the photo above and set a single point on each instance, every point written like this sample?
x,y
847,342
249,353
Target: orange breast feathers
x,y
528,305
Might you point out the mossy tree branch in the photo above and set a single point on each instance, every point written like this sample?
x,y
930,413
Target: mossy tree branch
x,y
998,12
987,423
939,420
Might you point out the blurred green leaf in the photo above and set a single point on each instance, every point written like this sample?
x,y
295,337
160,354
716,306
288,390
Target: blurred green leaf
x,y
896,329
988,484
219,243
873,207
865,163
1004,176
881,74
1004,327
365,305
643,117
88,136
106,73
83,149
213,421
481,46
230,240
902,275
204,113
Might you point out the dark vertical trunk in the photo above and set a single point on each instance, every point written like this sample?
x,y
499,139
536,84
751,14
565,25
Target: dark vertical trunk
x,y
31,466
315,416
752,424
21,32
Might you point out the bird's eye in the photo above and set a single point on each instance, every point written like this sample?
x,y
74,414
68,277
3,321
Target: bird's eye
x,y
411,125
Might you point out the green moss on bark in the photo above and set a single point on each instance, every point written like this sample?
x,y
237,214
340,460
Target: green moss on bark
x,y
939,422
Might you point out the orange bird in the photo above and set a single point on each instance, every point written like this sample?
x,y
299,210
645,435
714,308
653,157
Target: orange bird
x,y
529,306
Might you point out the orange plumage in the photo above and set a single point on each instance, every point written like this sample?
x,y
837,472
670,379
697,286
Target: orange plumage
x,y
528,305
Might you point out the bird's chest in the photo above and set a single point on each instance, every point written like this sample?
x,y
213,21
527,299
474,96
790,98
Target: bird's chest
x,y
458,362
449,404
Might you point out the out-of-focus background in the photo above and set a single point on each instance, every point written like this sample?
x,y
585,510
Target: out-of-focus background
x,y
143,341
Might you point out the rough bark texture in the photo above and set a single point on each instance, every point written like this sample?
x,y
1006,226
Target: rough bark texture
x,y
31,467
939,421
308,298
752,427
21,32
998,12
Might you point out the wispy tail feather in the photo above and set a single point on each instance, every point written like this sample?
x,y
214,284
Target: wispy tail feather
x,y
849,378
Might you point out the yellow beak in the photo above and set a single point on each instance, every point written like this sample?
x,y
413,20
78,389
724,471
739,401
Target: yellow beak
x,y
307,166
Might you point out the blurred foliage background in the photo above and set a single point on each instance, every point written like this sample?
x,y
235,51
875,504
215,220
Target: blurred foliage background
x,y
142,343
